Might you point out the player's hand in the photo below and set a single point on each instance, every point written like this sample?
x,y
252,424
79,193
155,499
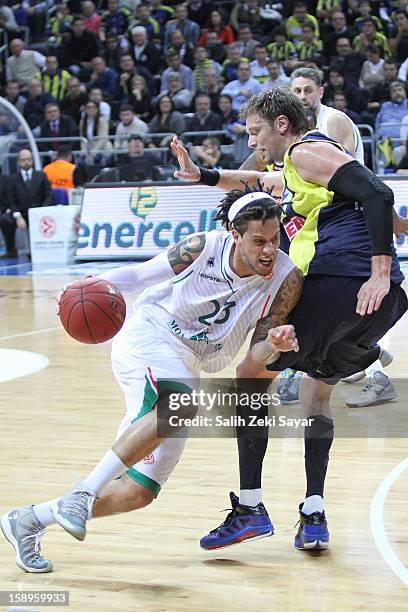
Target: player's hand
x,y
400,226
371,294
62,291
188,169
283,339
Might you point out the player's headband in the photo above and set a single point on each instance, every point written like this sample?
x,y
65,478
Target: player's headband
x,y
239,204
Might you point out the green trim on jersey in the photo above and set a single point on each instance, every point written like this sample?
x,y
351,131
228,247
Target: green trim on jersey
x,y
307,200
145,481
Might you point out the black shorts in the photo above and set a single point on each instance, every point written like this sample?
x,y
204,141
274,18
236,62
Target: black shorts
x,y
334,341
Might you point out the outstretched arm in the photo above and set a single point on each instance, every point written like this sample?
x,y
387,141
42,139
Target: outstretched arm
x,y
227,179
272,336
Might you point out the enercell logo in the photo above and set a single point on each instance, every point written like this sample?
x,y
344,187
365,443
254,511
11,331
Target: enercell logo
x,y
127,235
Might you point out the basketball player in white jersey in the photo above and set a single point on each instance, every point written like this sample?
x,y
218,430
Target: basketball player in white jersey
x,y
199,301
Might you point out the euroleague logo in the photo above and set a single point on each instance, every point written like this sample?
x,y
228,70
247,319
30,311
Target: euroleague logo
x,y
149,459
47,227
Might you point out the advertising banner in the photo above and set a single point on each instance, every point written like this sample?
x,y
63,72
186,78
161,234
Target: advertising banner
x,y
54,233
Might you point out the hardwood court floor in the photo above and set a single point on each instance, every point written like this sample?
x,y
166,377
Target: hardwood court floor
x,y
58,422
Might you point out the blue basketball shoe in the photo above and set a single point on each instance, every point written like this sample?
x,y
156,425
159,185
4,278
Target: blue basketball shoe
x,y
312,532
242,524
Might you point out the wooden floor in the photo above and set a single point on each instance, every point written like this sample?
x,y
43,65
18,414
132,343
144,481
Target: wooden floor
x,y
57,423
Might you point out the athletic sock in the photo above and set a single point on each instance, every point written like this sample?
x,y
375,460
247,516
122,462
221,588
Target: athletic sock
x,y
109,468
43,513
314,503
252,442
250,497
318,440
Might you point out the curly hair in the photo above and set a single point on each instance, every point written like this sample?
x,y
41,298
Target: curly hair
x,y
259,210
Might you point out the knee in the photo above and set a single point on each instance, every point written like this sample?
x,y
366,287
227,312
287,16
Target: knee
x,y
134,495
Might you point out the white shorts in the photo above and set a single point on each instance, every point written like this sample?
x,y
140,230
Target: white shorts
x,y
142,353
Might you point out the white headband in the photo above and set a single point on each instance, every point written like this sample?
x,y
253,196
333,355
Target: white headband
x,y
239,204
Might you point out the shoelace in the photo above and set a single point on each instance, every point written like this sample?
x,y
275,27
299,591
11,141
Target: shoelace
x,y
34,552
231,512
78,503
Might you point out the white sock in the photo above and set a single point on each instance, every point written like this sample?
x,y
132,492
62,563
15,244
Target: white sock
x,y
43,513
314,503
109,468
250,497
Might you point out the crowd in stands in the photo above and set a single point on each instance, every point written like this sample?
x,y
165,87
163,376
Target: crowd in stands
x,y
122,76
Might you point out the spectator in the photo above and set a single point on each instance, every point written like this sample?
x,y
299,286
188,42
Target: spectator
x,y
180,97
179,44
310,49
36,103
74,100
55,126
161,13
339,29
95,129
381,92
95,95
80,48
12,95
246,42
340,103
277,75
399,43
167,120
355,97
92,19
325,10
114,19
112,51
60,172
212,86
392,112
215,48
8,20
295,22
209,154
53,78
139,98
202,63
27,188
144,18
402,167
22,65
249,12
218,25
136,164
259,66
227,114
129,124
60,21
403,71
175,65
103,77
199,11
369,36
282,49
372,72
145,53
203,119
229,70
350,61
242,88
128,70
189,29
364,8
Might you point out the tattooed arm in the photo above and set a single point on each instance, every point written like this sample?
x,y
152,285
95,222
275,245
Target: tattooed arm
x,y
135,278
272,336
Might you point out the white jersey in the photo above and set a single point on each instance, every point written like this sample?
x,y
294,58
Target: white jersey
x,y
210,309
322,118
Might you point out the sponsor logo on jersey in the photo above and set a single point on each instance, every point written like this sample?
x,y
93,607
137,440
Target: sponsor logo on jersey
x,y
148,459
210,262
143,200
292,226
211,278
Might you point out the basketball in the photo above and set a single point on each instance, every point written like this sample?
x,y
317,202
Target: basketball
x,y
92,310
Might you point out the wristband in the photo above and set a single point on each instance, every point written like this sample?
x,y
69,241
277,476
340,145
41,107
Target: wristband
x,y
208,177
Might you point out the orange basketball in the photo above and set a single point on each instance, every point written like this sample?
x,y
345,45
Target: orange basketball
x,y
92,310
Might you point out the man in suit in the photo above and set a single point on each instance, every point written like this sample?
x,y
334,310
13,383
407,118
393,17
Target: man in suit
x,y
55,126
28,188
